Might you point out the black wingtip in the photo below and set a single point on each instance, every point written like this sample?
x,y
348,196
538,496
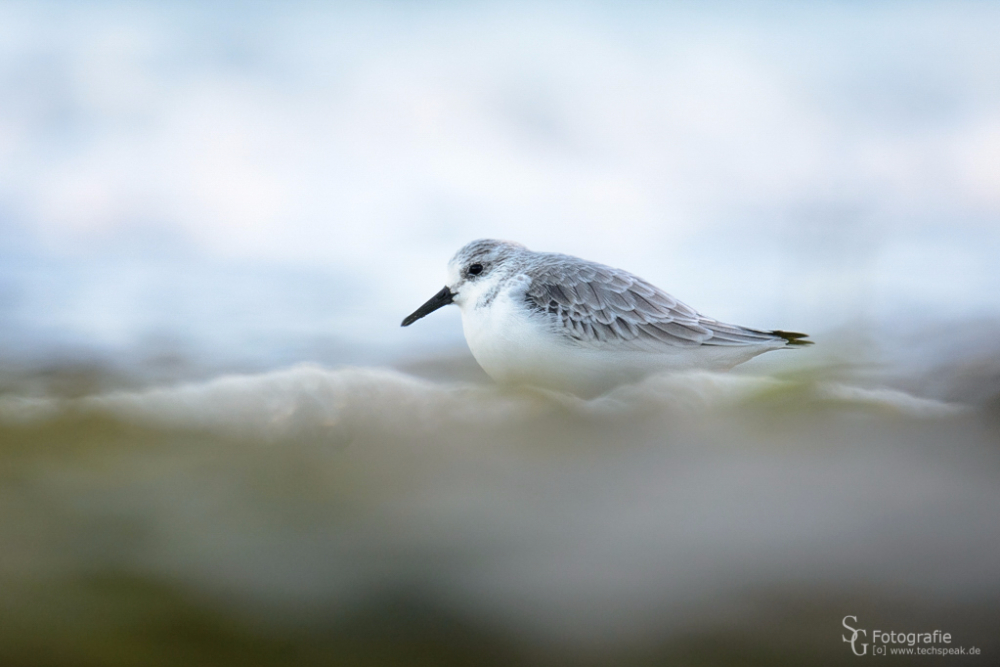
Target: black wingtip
x,y
793,338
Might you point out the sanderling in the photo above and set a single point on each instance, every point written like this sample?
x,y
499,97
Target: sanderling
x,y
560,322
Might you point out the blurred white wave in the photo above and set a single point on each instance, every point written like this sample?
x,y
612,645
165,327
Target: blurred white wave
x,y
312,401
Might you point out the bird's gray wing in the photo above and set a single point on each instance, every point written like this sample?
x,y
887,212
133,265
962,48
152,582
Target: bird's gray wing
x,y
599,306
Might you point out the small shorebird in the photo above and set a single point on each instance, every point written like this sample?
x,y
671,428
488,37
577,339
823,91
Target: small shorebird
x,y
564,323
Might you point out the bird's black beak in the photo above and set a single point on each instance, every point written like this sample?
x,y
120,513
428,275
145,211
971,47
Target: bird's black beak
x,y
442,298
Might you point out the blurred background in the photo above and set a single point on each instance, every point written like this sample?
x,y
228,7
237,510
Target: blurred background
x,y
192,190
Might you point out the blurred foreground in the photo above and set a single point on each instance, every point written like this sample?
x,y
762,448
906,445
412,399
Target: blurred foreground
x,y
367,516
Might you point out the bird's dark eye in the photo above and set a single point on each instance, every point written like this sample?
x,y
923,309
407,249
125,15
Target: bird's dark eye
x,y
475,269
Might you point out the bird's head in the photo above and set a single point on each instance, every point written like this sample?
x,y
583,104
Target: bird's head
x,y
471,272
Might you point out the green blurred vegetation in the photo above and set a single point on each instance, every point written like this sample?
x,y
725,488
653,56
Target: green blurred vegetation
x,y
85,496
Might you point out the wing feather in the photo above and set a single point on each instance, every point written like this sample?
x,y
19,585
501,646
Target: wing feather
x,y
597,305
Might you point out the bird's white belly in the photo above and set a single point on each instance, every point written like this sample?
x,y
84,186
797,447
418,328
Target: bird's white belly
x,y
514,347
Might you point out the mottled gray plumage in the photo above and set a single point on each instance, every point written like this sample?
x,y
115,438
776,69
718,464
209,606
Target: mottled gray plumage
x,y
601,306
564,323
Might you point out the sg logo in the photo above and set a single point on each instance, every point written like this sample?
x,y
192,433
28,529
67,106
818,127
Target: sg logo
x,y
854,636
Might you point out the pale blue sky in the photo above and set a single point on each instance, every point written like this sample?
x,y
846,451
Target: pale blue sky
x,y
275,181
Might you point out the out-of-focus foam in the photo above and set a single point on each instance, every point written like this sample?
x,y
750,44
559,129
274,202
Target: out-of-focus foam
x,y
330,403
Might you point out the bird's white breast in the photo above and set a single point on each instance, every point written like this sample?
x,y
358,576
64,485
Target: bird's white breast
x,y
515,346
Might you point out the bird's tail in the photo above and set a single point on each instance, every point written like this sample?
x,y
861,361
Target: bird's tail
x,y
793,338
